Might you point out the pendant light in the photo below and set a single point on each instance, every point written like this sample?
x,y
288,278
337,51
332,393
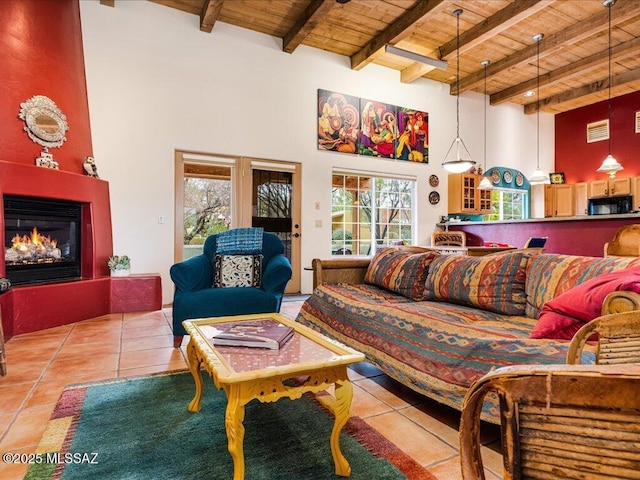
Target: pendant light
x,y
538,177
458,158
610,165
485,184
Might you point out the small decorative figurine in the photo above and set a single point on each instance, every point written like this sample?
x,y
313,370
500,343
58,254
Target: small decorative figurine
x,y
90,167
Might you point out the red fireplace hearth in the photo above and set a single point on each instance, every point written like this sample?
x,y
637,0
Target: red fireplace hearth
x,y
83,294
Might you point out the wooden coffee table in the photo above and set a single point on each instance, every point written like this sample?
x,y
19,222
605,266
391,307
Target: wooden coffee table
x,y
308,362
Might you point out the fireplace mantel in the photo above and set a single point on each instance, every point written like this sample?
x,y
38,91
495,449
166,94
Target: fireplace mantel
x,y
35,307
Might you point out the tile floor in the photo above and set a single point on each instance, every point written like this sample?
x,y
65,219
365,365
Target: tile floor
x,y
40,364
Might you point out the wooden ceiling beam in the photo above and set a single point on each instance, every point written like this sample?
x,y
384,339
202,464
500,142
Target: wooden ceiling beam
x,y
209,14
589,89
494,25
398,30
572,70
490,27
552,43
315,13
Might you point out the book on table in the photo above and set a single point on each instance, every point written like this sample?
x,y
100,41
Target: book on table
x,y
261,333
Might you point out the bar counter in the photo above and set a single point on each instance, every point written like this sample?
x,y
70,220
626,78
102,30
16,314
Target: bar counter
x,y
580,235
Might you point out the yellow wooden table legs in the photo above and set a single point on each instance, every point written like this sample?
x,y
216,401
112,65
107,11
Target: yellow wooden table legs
x,y
271,389
341,406
308,362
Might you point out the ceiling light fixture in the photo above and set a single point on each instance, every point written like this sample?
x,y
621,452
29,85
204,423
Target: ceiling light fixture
x,y
610,165
458,159
416,57
538,177
485,184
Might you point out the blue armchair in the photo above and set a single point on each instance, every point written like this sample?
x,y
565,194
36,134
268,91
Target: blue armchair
x,y
194,296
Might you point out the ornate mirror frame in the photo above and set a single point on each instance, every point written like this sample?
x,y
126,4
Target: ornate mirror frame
x,y
45,124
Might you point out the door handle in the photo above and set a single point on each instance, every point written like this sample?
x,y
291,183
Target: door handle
x,y
296,235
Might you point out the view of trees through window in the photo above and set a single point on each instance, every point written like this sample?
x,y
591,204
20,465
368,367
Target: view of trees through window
x,y
207,208
508,205
369,212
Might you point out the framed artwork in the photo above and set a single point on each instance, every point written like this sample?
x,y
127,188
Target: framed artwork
x,y
378,129
413,135
338,121
354,125
556,178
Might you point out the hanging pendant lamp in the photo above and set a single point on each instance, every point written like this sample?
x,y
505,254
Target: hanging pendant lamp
x,y
485,184
610,165
538,177
458,159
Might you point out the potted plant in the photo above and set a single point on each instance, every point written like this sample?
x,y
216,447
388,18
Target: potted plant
x,y
120,265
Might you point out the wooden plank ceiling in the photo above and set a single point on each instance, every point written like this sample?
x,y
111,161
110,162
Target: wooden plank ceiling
x,y
574,53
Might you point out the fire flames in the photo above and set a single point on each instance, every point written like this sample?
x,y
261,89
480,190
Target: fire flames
x,y
40,241
35,248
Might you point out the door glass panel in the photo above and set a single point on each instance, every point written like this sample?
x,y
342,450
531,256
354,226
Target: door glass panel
x,y
272,204
207,204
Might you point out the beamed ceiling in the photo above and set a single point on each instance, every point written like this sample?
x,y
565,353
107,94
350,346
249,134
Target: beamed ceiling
x,y
574,67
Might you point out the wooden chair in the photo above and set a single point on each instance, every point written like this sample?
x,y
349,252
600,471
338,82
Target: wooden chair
x,y
618,339
449,238
558,422
626,242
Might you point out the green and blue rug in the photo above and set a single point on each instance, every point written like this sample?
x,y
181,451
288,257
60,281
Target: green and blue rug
x,y
139,428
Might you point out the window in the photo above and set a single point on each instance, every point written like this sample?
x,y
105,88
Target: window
x,y
508,204
368,212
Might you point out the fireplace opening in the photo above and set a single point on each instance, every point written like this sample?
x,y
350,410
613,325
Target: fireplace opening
x,y
42,240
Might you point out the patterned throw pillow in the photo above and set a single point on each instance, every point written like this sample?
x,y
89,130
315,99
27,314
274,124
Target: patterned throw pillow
x,y
494,283
550,275
237,271
400,270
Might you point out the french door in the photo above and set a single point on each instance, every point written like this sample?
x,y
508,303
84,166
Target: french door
x,y
215,193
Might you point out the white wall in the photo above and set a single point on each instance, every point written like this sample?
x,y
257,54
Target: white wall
x,y
157,84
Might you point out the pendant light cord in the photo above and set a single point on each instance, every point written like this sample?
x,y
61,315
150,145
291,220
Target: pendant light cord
x,y
459,12
486,64
538,104
609,103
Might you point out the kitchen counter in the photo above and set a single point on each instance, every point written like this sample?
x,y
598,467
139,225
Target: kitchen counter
x,y
620,216
579,235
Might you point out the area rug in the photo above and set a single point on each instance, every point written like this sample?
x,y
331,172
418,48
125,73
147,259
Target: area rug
x,y
139,428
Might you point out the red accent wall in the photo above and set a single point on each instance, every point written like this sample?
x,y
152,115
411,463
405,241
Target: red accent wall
x,y
41,54
578,159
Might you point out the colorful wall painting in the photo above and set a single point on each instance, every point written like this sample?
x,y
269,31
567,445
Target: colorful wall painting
x,y
353,125
413,141
338,121
378,129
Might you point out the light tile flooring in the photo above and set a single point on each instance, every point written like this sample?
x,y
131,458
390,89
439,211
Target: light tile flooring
x,y
40,364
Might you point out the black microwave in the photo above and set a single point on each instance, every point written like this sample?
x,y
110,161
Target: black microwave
x,y
610,205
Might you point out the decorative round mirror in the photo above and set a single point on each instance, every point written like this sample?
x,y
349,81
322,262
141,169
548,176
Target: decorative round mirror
x,y
44,122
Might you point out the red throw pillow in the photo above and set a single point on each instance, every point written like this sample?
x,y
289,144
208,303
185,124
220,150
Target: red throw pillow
x,y
563,316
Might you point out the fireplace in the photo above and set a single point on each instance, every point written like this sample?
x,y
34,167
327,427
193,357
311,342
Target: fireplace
x,y
42,240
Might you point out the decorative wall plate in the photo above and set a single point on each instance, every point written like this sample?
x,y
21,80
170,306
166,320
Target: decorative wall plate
x,y
434,198
519,179
507,176
495,177
434,181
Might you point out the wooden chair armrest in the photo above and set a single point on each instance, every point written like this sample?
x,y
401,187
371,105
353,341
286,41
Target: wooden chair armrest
x,y
347,270
622,301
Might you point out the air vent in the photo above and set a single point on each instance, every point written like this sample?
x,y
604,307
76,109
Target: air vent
x,y
637,122
598,131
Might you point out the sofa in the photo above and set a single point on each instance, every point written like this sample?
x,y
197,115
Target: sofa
x,y
436,323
